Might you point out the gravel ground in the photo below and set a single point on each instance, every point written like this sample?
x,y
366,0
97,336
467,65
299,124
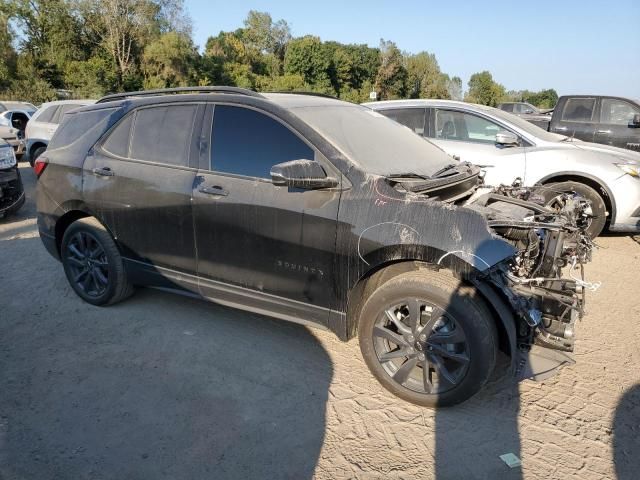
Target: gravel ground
x,y
163,386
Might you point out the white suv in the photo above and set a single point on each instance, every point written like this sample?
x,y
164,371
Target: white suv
x,y
44,123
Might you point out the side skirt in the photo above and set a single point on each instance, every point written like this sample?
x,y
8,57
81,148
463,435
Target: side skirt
x,y
234,296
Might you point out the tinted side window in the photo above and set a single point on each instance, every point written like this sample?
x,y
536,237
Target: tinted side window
x,y
246,142
118,141
414,118
617,112
163,134
47,115
507,107
579,109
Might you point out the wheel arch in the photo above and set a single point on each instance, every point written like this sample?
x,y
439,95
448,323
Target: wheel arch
x,y
71,216
590,180
35,145
503,316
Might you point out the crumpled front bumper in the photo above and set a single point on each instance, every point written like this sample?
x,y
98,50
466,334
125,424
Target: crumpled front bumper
x,y
12,195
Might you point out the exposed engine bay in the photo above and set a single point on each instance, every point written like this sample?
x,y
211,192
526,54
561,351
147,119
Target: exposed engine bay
x,y
549,237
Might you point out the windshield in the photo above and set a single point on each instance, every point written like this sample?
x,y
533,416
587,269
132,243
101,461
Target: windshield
x,y
374,142
527,127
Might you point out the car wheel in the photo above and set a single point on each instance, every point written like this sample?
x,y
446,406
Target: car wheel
x,y
36,153
92,263
598,217
428,338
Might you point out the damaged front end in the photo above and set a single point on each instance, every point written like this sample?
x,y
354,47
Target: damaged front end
x,y
548,237
12,195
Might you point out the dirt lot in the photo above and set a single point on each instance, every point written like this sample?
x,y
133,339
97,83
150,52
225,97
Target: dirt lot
x,y
167,387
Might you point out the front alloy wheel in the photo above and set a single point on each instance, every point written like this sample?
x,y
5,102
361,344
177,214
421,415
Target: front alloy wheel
x,y
421,347
428,337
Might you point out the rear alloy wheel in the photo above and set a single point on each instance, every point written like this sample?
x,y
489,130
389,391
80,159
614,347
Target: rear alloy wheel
x,y
92,263
597,219
428,338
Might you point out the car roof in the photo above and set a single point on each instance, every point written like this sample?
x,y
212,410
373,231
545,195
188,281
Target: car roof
x,y
425,102
68,102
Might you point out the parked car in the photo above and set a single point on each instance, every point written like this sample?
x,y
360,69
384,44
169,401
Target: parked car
x,y
508,147
11,190
537,116
601,119
316,211
12,126
44,123
12,105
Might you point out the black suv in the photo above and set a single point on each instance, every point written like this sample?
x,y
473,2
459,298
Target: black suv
x,y
316,211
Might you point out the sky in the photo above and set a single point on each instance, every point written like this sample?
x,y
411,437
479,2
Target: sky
x,y
576,47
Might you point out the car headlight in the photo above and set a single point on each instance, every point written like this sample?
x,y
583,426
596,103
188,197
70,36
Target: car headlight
x,y
630,169
7,157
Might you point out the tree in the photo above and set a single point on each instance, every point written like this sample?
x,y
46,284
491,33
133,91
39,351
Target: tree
x,y
424,78
484,90
454,87
312,60
391,79
8,56
169,61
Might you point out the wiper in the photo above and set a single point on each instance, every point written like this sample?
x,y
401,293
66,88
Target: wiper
x,y
445,169
407,175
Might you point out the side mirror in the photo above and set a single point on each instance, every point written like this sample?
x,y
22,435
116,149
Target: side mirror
x,y
305,174
507,139
635,122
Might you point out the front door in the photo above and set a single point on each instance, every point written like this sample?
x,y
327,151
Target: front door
x,y
138,182
577,119
269,242
616,116
471,138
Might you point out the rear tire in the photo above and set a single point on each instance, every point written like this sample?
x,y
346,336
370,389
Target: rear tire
x,y
598,207
92,263
36,153
444,357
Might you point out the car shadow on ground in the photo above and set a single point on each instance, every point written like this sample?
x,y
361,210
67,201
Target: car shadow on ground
x,y
626,435
160,386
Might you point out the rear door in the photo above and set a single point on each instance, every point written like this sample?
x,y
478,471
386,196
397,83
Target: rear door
x,y
274,241
577,119
471,138
139,180
615,117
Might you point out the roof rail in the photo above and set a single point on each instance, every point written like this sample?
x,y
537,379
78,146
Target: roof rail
x,y
304,92
167,91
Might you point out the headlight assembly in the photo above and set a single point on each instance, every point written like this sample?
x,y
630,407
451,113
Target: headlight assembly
x,y
7,157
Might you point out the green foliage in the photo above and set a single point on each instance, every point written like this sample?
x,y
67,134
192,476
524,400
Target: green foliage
x,y
169,61
392,76
484,90
94,47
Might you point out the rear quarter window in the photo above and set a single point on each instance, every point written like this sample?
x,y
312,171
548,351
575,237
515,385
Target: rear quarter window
x,y
47,114
81,124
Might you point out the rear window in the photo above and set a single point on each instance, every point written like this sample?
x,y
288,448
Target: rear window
x,y
77,125
47,114
579,109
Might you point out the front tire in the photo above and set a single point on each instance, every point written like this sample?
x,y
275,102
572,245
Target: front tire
x,y
92,263
598,218
428,338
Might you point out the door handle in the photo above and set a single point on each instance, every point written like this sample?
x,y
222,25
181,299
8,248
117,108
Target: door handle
x,y
214,190
103,172
603,131
562,129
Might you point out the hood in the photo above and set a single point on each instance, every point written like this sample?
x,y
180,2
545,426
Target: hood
x,y
597,148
